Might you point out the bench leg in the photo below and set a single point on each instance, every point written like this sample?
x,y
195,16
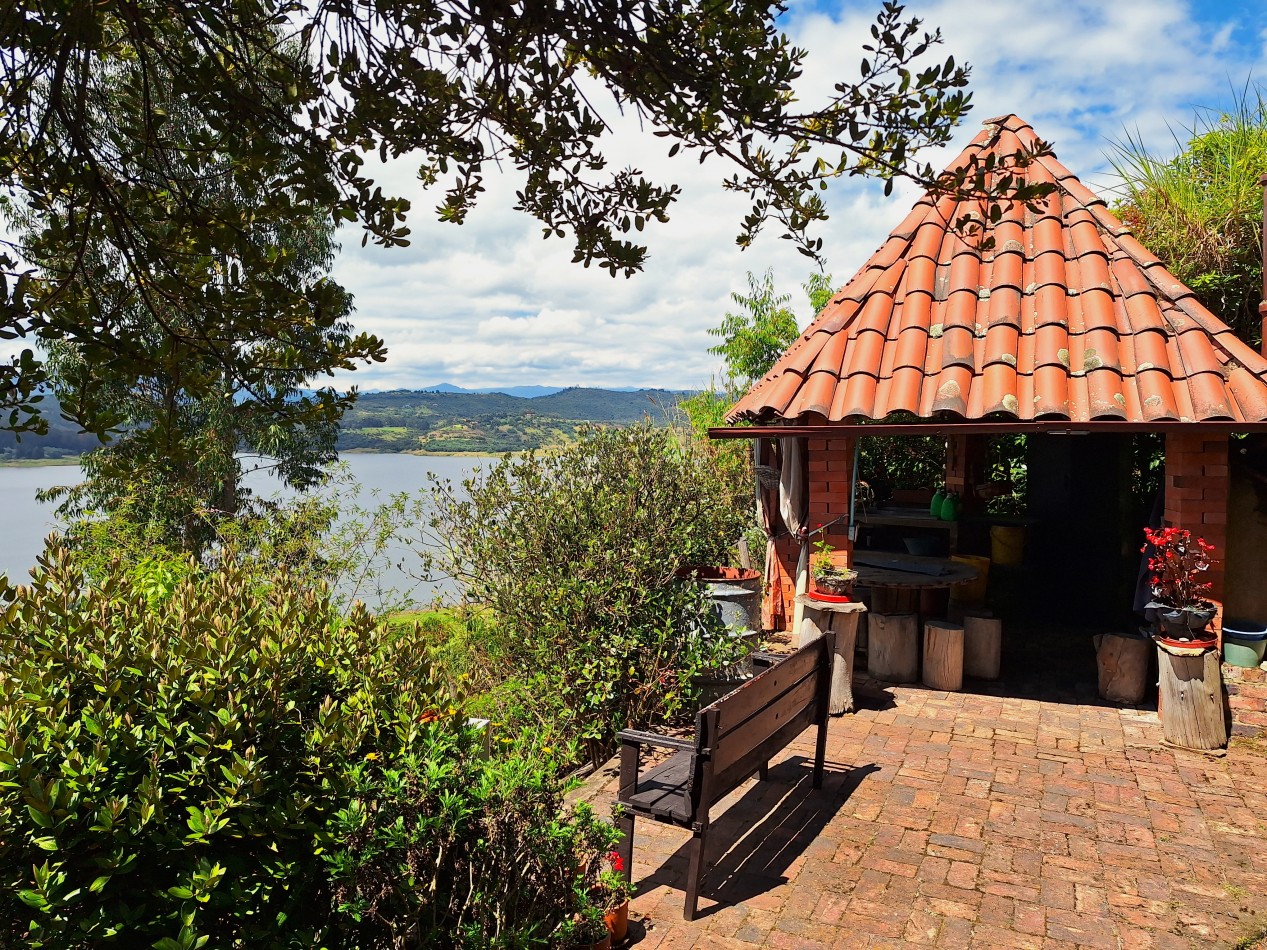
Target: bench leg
x,y
763,771
625,848
695,872
820,753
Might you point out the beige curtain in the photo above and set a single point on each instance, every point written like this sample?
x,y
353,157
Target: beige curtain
x,y
773,609
794,509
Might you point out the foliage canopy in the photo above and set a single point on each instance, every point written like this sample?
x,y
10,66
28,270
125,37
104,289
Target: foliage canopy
x,y
295,97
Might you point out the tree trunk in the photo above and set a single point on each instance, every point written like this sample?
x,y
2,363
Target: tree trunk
x,y
1191,700
943,655
893,647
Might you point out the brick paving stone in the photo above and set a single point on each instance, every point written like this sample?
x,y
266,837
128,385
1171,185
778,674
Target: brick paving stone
x,y
980,821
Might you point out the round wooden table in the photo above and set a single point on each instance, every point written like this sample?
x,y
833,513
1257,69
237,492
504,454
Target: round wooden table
x,y
896,580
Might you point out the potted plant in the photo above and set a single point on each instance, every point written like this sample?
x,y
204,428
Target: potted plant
x,y
1179,609
830,578
585,928
611,892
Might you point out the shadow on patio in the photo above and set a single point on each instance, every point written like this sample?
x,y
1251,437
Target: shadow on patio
x,y
744,859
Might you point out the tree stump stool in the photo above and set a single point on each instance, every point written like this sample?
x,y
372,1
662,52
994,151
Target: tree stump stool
x,y
982,645
1190,702
943,655
893,647
1122,667
819,617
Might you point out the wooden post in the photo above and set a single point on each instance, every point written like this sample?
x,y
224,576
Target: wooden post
x,y
1122,667
943,655
893,647
982,646
1191,700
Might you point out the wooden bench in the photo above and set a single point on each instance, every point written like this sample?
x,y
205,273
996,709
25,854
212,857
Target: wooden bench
x,y
734,737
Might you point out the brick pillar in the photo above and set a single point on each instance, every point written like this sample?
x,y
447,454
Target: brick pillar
x,y
830,480
829,463
1196,496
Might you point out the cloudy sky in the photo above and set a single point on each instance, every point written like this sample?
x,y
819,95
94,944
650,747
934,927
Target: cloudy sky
x,y
492,304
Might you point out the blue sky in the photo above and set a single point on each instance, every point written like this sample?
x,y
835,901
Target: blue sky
x,y
491,303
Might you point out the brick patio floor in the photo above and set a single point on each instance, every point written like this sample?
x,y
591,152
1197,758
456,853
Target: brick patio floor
x,y
964,820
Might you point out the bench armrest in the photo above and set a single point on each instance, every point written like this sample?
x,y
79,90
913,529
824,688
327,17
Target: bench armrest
x,y
637,737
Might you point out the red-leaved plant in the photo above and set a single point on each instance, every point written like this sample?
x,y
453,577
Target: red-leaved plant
x,y
1177,561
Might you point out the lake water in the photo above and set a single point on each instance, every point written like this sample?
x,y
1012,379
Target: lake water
x,y
25,522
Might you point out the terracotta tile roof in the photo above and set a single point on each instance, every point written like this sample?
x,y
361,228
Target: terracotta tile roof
x,y
1066,316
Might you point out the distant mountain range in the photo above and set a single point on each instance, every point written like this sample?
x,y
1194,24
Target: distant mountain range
x,y
441,418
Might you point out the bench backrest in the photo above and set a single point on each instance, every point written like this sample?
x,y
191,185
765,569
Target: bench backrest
x,y
746,728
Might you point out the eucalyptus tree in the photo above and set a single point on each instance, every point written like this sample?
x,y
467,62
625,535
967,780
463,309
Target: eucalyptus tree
x,y
454,85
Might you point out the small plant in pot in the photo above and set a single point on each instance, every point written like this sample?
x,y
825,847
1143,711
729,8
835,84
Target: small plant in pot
x,y
830,577
585,928
612,892
1179,608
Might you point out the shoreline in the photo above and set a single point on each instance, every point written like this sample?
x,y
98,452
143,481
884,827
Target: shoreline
x,y
40,463
74,460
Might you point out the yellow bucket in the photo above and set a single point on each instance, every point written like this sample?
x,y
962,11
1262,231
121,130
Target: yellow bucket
x,y
972,592
1007,544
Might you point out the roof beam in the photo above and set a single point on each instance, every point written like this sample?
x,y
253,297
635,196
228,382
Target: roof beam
x,y
1045,426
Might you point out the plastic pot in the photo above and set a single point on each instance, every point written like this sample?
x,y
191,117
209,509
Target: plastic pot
x,y
1244,642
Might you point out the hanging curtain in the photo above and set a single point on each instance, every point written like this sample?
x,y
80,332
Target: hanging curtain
x,y
794,509
768,463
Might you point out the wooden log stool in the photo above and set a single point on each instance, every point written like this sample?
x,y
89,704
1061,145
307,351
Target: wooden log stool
x,y
982,644
943,655
1121,667
1190,700
893,647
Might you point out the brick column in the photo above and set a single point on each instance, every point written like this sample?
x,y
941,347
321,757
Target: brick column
x,y
1196,496
830,463
830,479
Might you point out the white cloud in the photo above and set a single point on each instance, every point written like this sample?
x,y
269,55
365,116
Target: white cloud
x,y
491,303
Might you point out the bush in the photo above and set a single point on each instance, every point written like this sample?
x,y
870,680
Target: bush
x,y
179,750
575,553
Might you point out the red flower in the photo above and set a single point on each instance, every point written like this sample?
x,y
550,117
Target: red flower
x,y
613,858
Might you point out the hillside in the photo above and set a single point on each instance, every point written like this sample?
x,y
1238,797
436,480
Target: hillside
x,y
408,420
430,421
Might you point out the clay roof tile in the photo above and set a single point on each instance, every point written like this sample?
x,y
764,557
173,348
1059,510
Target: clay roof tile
x,y
1050,312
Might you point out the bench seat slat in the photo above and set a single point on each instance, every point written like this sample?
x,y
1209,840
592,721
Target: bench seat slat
x,y
663,790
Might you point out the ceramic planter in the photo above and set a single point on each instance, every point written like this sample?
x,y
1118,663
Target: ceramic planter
x,y
617,920
1182,624
839,583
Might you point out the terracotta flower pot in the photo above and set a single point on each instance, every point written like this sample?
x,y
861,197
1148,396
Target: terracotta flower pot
x,y
617,920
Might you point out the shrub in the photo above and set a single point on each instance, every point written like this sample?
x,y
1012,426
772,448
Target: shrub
x,y
575,554
178,751
448,849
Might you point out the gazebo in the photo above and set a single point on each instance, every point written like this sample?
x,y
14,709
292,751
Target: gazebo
x,y
1047,321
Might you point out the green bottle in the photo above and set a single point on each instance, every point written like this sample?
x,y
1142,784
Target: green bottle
x,y
934,508
950,507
